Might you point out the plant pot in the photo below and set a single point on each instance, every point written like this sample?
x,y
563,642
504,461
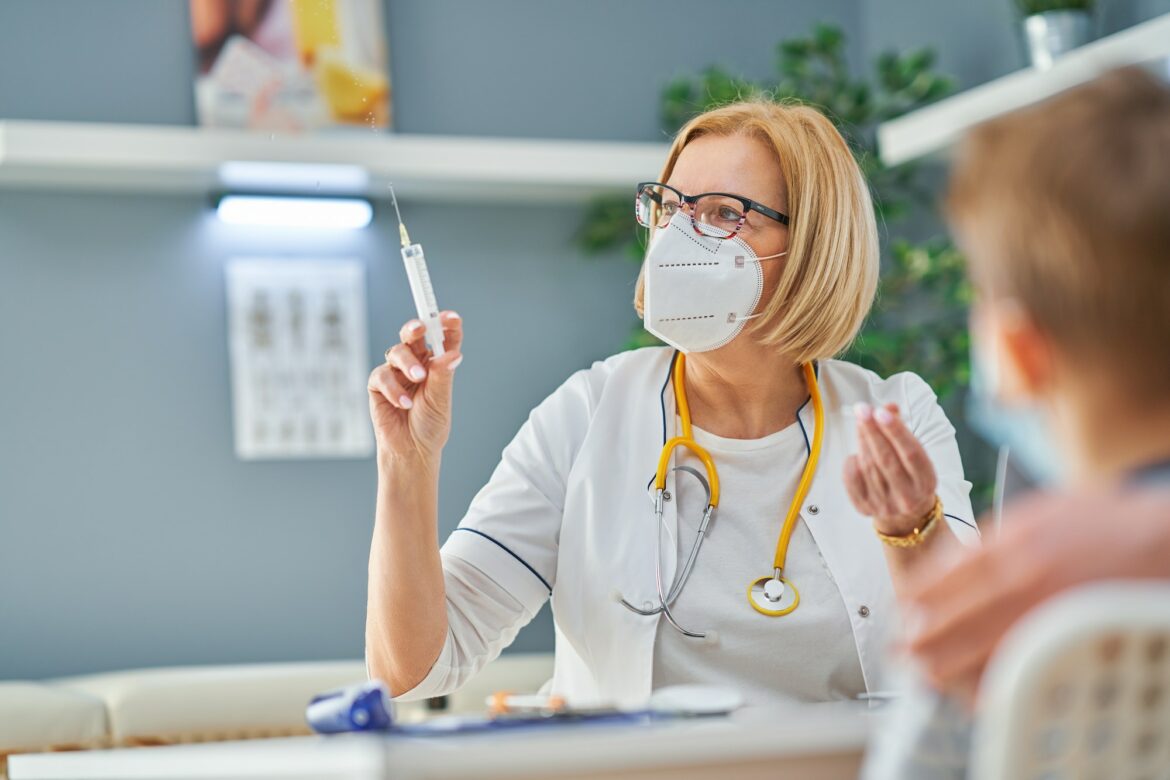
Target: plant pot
x,y
1053,33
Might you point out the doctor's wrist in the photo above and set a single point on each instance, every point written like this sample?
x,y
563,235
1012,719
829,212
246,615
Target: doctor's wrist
x,y
414,465
901,525
909,530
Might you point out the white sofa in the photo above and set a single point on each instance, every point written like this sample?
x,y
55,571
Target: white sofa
x,y
209,703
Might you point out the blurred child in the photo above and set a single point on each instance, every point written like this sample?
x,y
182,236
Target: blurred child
x,y
1063,210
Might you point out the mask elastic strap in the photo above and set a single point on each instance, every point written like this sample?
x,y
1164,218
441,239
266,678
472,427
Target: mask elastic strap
x,y
766,257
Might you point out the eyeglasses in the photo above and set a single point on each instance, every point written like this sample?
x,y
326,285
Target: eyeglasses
x,y
715,214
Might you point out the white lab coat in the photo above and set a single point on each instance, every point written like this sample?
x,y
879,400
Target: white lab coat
x,y
568,514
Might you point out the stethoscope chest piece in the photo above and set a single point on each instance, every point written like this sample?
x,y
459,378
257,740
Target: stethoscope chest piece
x,y
773,596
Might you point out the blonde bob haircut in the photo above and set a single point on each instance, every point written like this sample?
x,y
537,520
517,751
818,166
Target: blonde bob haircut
x,y
830,272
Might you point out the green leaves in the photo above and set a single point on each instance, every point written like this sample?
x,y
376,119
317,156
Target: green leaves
x,y
608,222
919,322
908,329
908,83
685,98
1029,7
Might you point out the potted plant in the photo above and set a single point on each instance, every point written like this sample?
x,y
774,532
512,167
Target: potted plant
x,y
1054,27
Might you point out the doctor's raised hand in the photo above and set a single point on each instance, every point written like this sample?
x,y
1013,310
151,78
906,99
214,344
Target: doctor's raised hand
x,y
410,395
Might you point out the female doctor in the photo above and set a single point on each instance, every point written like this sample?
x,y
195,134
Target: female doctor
x,y
737,508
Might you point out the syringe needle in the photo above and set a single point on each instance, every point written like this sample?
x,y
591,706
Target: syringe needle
x,y
402,234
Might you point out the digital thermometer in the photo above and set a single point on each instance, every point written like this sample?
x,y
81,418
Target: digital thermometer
x,y
420,286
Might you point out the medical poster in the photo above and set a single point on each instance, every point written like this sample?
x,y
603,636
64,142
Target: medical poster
x,y
287,66
299,362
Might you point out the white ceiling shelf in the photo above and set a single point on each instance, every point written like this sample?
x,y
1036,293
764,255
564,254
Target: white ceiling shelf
x,y
934,130
76,156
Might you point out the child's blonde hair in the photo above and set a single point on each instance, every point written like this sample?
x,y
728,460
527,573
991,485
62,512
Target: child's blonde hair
x,y
1065,208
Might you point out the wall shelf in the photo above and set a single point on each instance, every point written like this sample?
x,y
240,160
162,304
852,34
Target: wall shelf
x,y
934,130
77,156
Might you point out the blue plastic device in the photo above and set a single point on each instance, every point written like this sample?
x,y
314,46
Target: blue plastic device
x,y
362,707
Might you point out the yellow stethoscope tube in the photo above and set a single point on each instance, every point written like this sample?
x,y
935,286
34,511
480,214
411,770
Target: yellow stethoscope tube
x,y
687,439
763,592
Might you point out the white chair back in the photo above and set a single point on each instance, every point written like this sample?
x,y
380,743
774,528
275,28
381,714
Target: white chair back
x,y
1081,689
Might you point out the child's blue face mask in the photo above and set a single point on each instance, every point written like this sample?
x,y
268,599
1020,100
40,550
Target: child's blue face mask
x,y
1022,430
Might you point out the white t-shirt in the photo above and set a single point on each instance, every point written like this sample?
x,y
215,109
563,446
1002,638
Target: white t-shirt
x,y
806,655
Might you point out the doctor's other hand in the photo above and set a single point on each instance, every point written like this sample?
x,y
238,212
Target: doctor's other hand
x,y
891,478
410,394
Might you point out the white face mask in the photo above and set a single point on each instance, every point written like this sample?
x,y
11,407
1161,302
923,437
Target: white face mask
x,y
699,291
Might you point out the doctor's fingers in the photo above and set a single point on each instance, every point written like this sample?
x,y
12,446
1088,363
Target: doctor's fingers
x,y
452,330
384,381
903,493
909,450
856,486
878,486
413,334
409,364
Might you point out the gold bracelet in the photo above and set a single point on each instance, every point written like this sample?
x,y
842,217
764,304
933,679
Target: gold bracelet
x,y
919,534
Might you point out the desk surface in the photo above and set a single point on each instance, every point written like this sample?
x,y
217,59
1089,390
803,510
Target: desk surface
x,y
823,741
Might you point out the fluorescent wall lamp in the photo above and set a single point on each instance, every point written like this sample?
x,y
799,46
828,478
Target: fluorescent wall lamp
x,y
283,178
280,211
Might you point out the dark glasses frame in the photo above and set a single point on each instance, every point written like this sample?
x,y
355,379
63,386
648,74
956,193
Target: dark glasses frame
x,y
748,205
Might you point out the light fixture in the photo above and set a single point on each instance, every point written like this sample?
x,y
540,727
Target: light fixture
x,y
292,212
285,178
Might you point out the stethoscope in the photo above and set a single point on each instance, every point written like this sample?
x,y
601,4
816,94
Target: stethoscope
x,y
772,594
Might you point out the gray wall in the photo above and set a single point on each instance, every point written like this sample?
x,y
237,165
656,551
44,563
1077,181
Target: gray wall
x,y
129,533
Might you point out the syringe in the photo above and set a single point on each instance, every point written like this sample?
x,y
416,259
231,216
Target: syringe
x,y
420,286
